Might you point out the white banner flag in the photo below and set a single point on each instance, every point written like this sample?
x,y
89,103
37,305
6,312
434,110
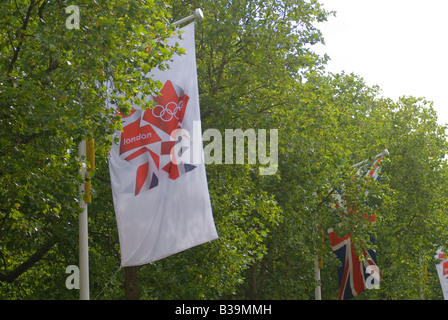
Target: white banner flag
x,y
442,271
158,178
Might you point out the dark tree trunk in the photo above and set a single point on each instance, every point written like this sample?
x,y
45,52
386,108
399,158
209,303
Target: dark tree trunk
x,y
131,284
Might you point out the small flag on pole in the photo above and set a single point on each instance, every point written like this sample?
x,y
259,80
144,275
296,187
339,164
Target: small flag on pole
x,y
158,177
442,271
355,275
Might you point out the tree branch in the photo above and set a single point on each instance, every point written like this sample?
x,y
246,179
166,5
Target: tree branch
x,y
41,11
10,276
18,10
20,35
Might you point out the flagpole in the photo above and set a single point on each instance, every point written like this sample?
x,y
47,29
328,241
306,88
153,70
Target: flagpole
x,y
317,290
385,153
83,229
317,264
198,14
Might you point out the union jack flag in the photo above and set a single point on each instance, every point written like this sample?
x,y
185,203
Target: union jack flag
x,y
355,275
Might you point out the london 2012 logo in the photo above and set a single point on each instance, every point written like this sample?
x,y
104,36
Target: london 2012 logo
x,y
149,136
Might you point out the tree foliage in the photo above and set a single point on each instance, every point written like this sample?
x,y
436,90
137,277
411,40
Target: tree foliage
x,y
52,97
256,70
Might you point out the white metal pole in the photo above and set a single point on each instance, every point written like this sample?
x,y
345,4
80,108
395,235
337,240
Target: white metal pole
x,y
196,15
317,290
83,230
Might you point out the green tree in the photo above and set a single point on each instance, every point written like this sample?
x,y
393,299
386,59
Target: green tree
x,y
412,228
256,70
250,54
322,140
52,96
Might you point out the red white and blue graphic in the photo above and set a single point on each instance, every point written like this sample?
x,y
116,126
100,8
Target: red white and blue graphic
x,y
149,138
355,275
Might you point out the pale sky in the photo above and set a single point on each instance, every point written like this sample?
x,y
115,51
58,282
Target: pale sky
x,y
399,45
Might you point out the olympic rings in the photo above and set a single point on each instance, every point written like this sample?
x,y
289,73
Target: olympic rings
x,y
172,109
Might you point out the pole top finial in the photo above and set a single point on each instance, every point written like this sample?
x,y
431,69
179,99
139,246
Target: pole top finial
x,y
198,14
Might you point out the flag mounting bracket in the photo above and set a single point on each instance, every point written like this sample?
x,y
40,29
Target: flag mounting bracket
x,y
198,14
385,153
